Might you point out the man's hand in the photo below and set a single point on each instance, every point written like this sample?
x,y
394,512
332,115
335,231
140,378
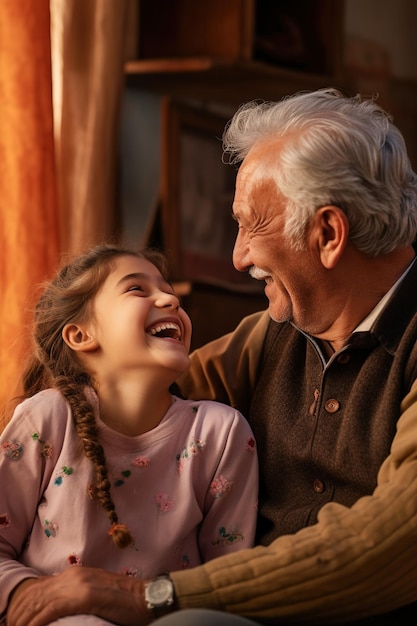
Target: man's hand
x,y
79,591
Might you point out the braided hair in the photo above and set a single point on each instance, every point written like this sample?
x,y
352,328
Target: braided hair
x,y
68,298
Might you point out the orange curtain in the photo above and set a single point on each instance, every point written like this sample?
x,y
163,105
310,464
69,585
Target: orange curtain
x,y
57,180
92,38
28,208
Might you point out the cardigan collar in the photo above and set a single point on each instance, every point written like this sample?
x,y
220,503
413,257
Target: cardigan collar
x,y
393,315
391,323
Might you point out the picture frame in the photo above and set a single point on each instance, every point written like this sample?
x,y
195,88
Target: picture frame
x,y
197,190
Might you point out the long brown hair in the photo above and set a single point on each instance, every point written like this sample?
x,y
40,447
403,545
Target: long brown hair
x,y
68,298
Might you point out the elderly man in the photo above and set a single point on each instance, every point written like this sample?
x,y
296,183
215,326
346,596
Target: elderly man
x,y
326,208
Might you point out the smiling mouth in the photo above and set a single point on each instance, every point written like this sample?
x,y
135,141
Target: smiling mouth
x,y
165,330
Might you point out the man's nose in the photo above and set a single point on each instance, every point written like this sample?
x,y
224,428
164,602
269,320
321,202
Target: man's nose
x,y
241,257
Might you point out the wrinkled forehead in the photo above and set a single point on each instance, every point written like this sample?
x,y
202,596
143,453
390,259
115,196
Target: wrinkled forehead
x,y
261,160
256,175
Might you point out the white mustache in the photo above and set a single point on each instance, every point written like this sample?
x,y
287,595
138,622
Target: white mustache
x,y
258,273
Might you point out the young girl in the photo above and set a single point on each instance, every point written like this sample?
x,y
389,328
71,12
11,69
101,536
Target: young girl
x,y
101,466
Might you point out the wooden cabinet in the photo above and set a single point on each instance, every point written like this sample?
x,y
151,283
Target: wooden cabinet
x,y
236,50
221,29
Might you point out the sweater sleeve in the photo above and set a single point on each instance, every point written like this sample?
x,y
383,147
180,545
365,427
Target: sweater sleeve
x,y
231,502
27,459
238,352
353,563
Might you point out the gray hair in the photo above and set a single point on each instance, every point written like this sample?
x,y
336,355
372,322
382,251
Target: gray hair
x,y
338,150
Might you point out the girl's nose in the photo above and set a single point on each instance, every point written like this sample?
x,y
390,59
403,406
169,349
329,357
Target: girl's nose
x,y
165,299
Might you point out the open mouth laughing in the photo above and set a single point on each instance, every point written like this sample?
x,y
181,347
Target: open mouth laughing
x,y
165,330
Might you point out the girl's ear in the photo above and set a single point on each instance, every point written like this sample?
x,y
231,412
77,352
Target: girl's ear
x,y
78,338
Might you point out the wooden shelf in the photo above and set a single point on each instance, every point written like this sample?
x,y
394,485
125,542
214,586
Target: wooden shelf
x,y
221,80
169,66
237,50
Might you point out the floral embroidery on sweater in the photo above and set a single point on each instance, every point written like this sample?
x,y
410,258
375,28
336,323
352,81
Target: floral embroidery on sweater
x,y
226,537
13,450
91,492
120,481
46,446
65,471
50,528
164,502
194,447
133,572
250,444
184,562
4,520
141,461
74,559
220,486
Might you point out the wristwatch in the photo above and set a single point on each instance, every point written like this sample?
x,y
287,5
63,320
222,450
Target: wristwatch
x,y
159,594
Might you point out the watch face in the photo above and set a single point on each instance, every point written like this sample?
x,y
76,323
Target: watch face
x,y
159,593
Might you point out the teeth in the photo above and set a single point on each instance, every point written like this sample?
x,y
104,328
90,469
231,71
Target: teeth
x,y
165,326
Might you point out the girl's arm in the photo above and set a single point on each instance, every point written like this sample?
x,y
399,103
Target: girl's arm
x,y
231,502
27,460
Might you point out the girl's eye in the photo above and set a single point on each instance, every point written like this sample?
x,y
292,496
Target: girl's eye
x,y
136,288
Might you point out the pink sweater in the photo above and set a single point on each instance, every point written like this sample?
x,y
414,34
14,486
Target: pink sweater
x,y
187,490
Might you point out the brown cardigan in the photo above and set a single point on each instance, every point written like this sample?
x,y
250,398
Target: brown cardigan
x,y
337,446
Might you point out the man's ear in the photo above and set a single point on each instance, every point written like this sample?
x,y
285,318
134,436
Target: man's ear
x,y
78,338
332,232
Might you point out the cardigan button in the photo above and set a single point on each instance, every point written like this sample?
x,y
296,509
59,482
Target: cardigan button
x,y
343,358
332,405
318,486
